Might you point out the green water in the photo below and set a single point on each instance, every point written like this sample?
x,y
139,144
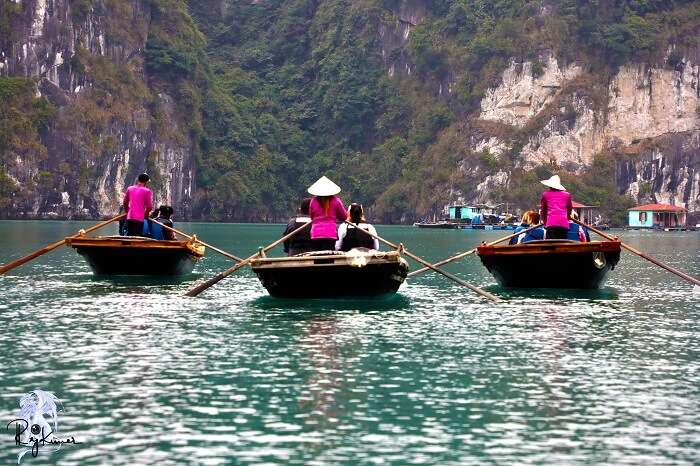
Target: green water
x,y
432,376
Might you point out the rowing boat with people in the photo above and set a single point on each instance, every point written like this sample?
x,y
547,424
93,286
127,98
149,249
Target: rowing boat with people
x,y
551,263
332,274
135,255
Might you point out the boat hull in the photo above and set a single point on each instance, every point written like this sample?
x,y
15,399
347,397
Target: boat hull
x,y
137,256
332,276
551,263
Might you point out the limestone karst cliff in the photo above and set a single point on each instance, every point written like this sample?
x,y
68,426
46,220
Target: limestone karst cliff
x,y
109,118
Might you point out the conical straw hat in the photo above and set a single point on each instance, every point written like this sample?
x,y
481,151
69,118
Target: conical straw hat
x,y
324,187
554,182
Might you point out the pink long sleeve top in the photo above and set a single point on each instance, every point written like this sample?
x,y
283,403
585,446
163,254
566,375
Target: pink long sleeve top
x,y
556,208
323,226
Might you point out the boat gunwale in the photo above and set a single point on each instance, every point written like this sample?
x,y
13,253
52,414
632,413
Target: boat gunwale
x,y
555,247
379,256
132,242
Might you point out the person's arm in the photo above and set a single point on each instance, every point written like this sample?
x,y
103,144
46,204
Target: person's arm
x,y
340,212
375,241
543,209
342,231
125,202
569,207
149,204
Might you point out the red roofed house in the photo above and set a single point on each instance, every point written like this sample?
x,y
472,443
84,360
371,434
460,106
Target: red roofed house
x,y
586,213
657,216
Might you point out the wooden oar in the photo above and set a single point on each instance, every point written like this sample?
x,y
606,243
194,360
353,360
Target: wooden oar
x,y
213,248
472,251
475,289
22,260
654,261
217,278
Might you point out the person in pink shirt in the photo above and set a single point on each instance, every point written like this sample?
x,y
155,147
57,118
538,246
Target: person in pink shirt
x,y
325,209
138,202
555,209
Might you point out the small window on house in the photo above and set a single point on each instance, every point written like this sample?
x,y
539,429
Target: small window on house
x,y
642,217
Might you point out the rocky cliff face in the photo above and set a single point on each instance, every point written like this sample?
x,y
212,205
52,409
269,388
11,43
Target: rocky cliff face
x,y
646,117
110,123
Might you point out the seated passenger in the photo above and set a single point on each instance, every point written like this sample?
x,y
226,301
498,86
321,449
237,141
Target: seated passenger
x,y
164,213
577,232
349,237
301,242
530,218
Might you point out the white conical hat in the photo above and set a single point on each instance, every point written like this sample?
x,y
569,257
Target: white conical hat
x,y
324,187
554,182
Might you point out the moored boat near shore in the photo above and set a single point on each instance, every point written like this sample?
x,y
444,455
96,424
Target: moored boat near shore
x,y
551,263
131,255
332,274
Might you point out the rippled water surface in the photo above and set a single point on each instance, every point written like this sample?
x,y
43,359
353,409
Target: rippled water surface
x,y
433,375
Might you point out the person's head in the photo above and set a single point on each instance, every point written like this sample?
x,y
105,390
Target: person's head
x,y
531,217
165,211
304,206
155,213
357,213
574,215
143,179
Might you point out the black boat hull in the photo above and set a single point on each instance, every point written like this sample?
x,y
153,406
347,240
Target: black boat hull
x,y
331,278
551,265
137,256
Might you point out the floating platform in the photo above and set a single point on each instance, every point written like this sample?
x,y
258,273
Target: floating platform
x,y
551,263
332,274
135,255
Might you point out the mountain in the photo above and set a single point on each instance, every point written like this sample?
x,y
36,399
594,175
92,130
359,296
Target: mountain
x,y
234,107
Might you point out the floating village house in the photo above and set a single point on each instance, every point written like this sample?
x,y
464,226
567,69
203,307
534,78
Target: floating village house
x,y
586,213
467,214
657,216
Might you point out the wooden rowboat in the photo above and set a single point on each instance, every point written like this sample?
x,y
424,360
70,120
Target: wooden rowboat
x,y
551,263
332,274
134,255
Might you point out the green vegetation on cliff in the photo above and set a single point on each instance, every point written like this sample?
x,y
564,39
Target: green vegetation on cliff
x,y
301,87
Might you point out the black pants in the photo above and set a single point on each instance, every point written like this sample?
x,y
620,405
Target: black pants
x,y
557,232
323,244
134,228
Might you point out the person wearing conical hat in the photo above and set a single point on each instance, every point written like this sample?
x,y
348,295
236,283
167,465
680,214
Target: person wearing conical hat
x,y
325,209
555,209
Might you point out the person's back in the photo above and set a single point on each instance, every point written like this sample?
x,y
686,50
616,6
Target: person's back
x,y
157,231
577,233
300,242
138,200
325,209
530,218
350,237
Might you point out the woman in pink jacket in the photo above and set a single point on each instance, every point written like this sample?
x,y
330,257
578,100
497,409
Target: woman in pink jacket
x,y
555,209
325,209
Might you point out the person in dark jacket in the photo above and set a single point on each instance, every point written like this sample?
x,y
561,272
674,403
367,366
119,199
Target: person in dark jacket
x,y
301,242
530,218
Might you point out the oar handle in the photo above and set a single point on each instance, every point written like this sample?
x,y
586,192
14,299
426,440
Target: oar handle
x,y
39,252
472,251
475,289
213,248
217,278
653,260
